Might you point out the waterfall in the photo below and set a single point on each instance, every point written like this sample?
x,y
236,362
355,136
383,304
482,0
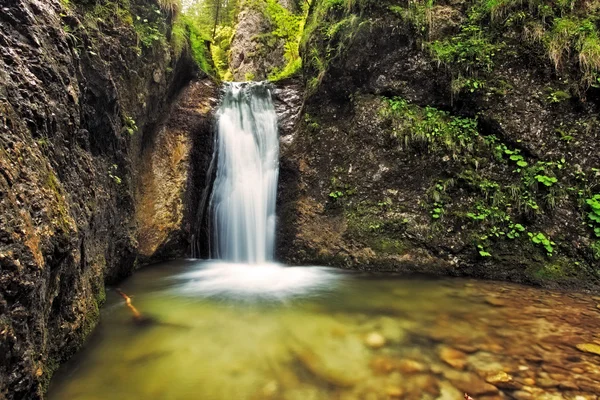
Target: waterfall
x,y
242,204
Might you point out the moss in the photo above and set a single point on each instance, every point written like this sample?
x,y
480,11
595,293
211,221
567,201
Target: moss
x,y
49,368
330,28
595,248
560,269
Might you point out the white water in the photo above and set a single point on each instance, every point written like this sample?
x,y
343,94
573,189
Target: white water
x,y
242,204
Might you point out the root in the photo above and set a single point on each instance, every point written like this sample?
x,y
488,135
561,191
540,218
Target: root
x,y
136,314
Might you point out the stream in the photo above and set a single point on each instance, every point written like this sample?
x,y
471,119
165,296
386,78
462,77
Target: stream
x,y
221,331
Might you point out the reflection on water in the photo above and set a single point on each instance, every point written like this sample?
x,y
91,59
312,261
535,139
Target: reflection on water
x,y
222,331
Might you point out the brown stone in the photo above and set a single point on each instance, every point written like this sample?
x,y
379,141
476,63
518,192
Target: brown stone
x,y
522,395
495,301
394,392
455,358
472,384
529,381
382,365
411,367
568,385
502,380
466,348
588,385
589,348
546,383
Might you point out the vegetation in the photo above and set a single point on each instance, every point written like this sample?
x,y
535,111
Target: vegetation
x,y
566,30
210,24
112,174
594,214
429,128
508,195
288,27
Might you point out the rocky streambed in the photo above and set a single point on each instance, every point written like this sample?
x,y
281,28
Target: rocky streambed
x,y
280,333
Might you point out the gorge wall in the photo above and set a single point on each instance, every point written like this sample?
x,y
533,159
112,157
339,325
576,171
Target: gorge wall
x,y
443,137
447,138
92,182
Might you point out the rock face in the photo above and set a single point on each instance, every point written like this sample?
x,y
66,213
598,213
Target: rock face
x,y
80,155
255,49
402,162
174,174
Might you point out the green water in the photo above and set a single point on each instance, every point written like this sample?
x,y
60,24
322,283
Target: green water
x,y
289,335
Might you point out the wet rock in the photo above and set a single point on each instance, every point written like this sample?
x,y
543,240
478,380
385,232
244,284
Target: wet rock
x,y
522,395
502,380
495,301
472,384
455,358
375,340
383,365
546,383
449,392
529,381
568,385
411,367
333,374
394,392
589,348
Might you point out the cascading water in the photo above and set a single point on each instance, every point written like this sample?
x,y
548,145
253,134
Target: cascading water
x,y
242,205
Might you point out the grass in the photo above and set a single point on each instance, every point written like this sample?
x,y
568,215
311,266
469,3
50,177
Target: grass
x,y
171,7
566,30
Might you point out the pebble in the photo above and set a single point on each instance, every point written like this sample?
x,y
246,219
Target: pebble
x,y
529,381
411,367
568,385
522,395
394,392
589,348
495,301
455,358
502,380
473,385
547,383
375,340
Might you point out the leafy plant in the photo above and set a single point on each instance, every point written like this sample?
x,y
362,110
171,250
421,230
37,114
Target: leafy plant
x,y
437,211
595,247
541,239
112,173
129,125
482,251
546,180
558,96
469,50
336,194
594,214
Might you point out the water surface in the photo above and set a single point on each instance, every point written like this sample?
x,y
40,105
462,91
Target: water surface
x,y
219,331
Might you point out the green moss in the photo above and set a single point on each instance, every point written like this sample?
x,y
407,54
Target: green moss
x,y
558,270
292,69
330,28
595,248
220,50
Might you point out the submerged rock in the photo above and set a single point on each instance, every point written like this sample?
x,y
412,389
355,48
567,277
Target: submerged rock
x,y
589,348
455,358
375,340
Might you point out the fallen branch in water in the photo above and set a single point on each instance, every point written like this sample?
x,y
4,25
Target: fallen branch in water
x,y
136,314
